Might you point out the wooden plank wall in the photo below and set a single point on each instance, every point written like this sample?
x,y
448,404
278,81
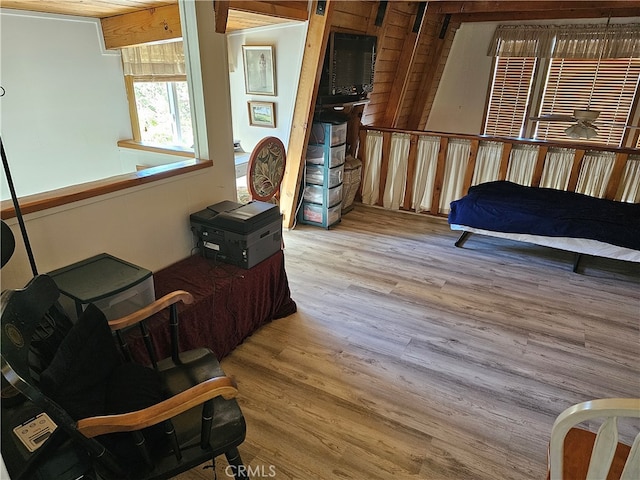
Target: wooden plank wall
x,y
401,19
354,17
397,24
437,51
409,65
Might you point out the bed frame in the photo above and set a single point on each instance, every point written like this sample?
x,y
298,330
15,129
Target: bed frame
x,y
621,217
578,246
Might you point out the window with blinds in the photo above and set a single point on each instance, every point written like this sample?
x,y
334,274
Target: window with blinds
x,y
579,67
608,86
158,96
509,99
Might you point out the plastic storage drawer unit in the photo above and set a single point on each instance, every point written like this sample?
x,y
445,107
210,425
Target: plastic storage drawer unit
x,y
316,194
320,215
328,133
318,175
316,155
116,287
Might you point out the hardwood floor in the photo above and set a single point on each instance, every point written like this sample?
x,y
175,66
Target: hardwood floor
x,y
410,358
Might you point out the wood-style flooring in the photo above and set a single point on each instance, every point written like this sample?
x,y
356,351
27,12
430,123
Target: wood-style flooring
x,y
410,358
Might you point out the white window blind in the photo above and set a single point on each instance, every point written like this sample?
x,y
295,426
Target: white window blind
x,y
512,80
608,86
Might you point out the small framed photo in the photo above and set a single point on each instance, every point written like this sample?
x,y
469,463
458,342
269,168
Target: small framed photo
x,y
262,114
259,71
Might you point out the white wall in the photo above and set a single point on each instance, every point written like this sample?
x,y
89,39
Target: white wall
x,y
65,105
146,225
459,103
288,42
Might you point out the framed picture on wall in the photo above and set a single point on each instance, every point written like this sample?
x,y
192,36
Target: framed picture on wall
x,y
259,70
262,114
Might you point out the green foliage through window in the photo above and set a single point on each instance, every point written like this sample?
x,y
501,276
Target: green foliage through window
x,y
164,113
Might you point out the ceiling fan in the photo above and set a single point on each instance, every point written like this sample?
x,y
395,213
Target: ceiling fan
x,y
583,122
582,119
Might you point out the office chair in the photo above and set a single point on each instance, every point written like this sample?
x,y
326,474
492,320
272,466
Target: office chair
x,y
134,421
576,453
266,170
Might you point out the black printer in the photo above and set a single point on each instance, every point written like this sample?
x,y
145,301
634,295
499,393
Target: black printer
x,y
237,233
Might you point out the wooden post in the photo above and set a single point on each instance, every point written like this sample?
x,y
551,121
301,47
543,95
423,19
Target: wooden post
x,y
384,164
438,181
315,47
575,170
471,166
411,170
362,155
504,161
616,176
537,172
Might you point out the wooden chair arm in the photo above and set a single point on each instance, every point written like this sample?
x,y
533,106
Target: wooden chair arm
x,y
151,309
127,422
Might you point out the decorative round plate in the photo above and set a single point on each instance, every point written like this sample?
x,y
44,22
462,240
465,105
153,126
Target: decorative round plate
x,y
266,168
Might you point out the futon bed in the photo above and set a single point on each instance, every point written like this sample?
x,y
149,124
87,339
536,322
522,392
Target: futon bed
x,y
553,218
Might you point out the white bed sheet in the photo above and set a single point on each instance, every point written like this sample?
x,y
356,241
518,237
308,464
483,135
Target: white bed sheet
x,y
578,245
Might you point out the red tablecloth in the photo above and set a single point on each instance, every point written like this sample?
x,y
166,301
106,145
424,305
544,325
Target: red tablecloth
x,y
230,303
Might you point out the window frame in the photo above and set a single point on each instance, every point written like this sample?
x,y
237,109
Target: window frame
x,y
129,81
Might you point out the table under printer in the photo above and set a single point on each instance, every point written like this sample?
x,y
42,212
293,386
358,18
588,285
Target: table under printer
x,y
237,233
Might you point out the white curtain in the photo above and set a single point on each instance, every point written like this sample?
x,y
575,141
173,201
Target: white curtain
x,y
522,163
154,59
454,172
591,41
487,166
595,171
371,171
629,190
424,179
522,41
395,185
557,168
566,41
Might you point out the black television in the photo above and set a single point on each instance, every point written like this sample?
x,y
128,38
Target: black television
x,y
347,73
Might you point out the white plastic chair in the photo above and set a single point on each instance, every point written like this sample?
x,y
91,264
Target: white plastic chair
x,y
606,453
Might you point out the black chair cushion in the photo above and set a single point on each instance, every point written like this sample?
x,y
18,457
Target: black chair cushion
x,y
132,387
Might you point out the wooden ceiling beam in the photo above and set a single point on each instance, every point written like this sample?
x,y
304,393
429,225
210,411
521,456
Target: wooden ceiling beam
x,y
507,7
221,8
290,10
544,15
144,26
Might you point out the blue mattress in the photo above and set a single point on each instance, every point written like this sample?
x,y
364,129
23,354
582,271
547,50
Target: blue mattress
x,y
511,208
